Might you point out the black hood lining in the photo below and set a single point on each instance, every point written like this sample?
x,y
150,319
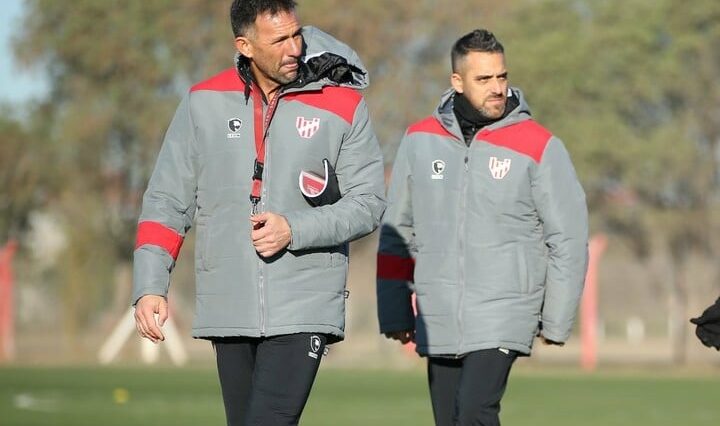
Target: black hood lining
x,y
328,65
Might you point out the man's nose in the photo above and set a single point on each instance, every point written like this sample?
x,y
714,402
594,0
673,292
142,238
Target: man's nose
x,y
497,88
295,48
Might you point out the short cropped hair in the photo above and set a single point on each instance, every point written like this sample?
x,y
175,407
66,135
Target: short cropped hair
x,y
244,12
479,40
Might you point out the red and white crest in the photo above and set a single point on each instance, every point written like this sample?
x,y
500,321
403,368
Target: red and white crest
x,y
499,168
307,128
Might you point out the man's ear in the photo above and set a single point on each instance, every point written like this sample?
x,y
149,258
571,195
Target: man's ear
x,y
456,82
243,45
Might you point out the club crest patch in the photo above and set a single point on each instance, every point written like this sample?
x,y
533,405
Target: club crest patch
x,y
499,168
307,127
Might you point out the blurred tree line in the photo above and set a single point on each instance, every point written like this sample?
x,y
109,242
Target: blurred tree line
x,y
628,85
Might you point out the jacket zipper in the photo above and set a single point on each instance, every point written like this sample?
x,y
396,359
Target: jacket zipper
x,y
261,291
461,243
261,264
267,119
263,205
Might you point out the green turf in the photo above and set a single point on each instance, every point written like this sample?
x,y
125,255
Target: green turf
x,y
77,397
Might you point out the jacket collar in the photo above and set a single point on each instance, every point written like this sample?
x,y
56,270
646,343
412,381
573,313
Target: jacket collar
x,y
325,62
446,115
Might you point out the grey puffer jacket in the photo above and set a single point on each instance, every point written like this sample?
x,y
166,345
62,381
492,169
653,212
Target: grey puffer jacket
x,y
203,176
493,235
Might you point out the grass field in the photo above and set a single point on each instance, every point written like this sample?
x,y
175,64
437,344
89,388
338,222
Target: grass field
x,y
137,396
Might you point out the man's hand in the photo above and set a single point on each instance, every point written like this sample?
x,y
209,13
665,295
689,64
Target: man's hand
x,y
403,336
145,310
270,233
547,341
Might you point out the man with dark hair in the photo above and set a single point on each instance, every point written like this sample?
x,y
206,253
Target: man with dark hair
x,y
487,226
269,139
474,41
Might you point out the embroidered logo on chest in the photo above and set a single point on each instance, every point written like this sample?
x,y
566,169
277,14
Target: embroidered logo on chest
x,y
438,167
499,168
307,127
234,124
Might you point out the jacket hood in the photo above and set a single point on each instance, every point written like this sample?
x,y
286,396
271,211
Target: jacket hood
x,y
319,44
326,61
444,112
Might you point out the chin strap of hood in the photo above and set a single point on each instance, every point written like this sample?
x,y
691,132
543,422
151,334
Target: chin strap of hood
x,y
242,64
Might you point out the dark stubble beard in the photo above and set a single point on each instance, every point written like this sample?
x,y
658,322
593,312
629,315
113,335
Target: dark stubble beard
x,y
284,79
276,75
493,113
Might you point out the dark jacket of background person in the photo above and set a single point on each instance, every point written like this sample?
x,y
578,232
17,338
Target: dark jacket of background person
x,y
708,326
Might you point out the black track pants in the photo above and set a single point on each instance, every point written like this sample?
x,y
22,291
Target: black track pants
x,y
467,391
267,381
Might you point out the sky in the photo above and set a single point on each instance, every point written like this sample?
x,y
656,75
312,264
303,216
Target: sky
x,y
16,85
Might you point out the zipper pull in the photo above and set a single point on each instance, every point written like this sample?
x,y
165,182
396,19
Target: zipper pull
x,y
254,201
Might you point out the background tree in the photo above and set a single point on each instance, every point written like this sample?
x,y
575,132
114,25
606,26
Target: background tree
x,y
629,86
23,184
116,72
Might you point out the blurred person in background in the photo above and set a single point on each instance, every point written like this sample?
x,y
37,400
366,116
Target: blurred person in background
x,y
708,326
487,226
270,267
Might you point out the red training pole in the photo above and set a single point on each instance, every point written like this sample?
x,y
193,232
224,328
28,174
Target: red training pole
x,y
7,337
588,305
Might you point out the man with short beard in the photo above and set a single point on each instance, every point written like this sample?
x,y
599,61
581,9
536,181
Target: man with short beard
x,y
487,226
271,259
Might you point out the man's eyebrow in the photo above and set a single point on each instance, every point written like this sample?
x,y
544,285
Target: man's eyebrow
x,y
487,76
284,37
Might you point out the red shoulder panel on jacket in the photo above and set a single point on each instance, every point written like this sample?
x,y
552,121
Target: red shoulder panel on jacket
x,y
341,101
157,234
226,81
527,138
429,125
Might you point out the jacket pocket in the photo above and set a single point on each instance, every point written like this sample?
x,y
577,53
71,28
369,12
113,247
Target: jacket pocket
x,y
523,271
338,260
339,256
201,233
309,259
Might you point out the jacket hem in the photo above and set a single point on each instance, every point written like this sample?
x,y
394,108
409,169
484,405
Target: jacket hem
x,y
334,333
396,326
556,337
454,351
